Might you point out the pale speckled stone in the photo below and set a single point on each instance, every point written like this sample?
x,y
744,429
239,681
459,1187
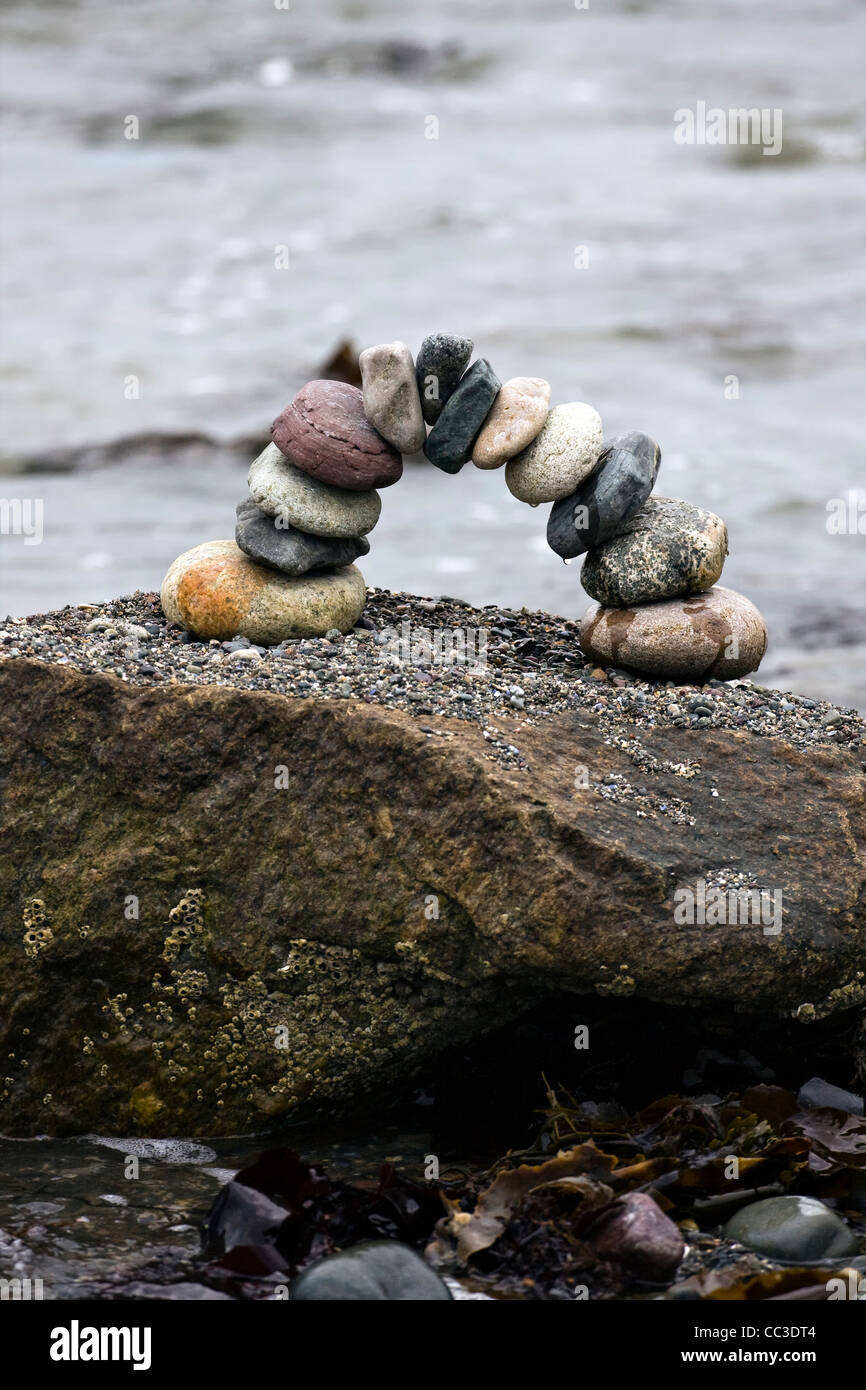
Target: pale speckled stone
x,y
391,400
300,500
216,591
667,549
515,419
564,453
718,634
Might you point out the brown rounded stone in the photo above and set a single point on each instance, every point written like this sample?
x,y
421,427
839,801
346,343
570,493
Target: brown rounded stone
x,y
325,433
717,634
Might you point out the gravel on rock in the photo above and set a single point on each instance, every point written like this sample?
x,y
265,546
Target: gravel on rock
x,y
532,667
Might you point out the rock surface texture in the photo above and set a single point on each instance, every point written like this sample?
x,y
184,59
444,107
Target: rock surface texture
x,y
194,872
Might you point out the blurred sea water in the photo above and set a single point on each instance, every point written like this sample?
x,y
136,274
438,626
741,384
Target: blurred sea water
x,y
554,220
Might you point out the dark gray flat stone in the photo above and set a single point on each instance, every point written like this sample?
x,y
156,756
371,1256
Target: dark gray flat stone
x,y
289,550
439,366
620,484
449,443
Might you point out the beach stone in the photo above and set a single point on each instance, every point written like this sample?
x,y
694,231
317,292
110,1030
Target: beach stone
x,y
265,539
610,496
299,500
667,549
390,391
449,443
718,634
564,452
818,1094
636,1232
375,1270
216,591
795,1229
518,413
440,363
326,434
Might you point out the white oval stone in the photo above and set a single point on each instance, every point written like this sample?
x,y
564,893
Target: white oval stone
x,y
318,508
564,453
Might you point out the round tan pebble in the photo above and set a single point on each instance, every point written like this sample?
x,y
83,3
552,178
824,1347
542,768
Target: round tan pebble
x,y
518,414
565,451
717,634
216,591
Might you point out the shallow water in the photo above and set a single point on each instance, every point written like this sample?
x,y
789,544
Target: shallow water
x,y
71,1217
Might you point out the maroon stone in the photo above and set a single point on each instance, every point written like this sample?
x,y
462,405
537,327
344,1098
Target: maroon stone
x,y
325,433
636,1233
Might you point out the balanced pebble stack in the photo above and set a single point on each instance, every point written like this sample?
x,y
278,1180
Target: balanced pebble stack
x,y
651,563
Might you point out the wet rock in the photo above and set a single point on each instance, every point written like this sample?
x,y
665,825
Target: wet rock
x,y
518,414
391,400
562,455
216,591
375,1270
288,550
440,363
325,433
817,1094
796,1229
164,789
449,443
718,634
610,496
299,500
667,549
636,1233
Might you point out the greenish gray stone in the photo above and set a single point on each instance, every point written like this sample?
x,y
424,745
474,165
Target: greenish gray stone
x,y
289,550
374,1271
449,443
797,1229
669,548
300,500
598,509
440,363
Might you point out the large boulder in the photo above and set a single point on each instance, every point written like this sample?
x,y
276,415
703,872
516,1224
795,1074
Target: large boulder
x,y
220,907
